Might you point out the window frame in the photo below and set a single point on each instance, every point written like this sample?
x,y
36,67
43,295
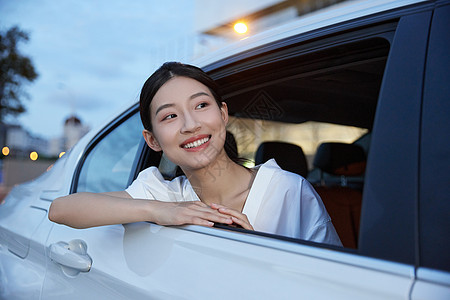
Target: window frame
x,y
385,30
433,210
99,137
394,194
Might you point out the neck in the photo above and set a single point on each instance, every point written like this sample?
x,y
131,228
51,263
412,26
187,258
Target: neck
x,y
223,182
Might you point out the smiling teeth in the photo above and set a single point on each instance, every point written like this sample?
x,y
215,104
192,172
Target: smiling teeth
x,y
196,143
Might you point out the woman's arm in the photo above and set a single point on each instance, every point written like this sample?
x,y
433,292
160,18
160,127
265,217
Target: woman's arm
x,y
83,210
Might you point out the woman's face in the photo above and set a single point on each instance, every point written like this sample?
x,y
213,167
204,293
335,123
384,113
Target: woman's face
x,y
187,124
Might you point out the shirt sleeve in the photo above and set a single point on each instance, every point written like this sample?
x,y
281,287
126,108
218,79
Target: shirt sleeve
x,y
288,205
325,233
314,218
150,184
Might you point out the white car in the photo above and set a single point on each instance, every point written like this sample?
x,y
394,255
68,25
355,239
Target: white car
x,y
357,100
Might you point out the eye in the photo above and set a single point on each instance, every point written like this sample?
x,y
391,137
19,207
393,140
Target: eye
x,y
168,117
201,105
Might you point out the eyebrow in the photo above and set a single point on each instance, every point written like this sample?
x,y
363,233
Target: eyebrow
x,y
164,106
198,95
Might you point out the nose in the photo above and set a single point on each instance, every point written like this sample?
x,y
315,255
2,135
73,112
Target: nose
x,y
191,123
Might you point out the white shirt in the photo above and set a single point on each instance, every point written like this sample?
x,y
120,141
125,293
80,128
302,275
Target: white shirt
x,y
279,202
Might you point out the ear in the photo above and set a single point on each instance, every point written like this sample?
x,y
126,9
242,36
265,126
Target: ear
x,y
224,112
151,140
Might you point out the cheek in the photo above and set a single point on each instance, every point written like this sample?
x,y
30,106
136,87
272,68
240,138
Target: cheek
x,y
158,134
214,118
164,133
218,125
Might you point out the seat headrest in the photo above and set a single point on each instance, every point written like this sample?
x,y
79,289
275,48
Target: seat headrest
x,y
340,159
288,156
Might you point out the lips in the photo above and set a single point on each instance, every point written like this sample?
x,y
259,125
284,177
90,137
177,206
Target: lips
x,y
195,142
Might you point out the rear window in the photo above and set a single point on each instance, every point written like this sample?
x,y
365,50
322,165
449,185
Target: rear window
x,y
312,111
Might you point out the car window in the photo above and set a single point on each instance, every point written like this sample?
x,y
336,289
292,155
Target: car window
x,y
313,113
109,164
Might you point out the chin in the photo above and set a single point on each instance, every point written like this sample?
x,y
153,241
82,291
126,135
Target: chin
x,y
198,165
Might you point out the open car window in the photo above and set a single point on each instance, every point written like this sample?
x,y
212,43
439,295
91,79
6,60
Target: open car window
x,y
312,110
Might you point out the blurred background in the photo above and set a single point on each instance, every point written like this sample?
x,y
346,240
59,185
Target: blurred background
x,y
66,66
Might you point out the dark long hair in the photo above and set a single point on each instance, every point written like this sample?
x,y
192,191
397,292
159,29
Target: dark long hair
x,y
167,71
172,69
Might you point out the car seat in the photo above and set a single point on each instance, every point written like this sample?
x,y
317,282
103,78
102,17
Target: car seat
x,y
288,156
341,189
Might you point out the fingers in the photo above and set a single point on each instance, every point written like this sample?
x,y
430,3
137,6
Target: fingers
x,y
198,213
244,223
202,222
206,212
180,213
236,216
217,206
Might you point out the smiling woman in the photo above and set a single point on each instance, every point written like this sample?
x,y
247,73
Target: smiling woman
x,y
185,118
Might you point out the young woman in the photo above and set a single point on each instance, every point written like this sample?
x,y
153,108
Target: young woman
x,y
184,116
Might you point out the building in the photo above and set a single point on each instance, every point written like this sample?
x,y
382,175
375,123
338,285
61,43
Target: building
x,y
21,143
74,130
215,23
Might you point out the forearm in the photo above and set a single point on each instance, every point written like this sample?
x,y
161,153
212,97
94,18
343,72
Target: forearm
x,y
83,210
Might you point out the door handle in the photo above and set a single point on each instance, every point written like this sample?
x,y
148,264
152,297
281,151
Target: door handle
x,y
72,256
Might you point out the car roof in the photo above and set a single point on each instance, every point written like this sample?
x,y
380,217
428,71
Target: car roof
x,y
341,12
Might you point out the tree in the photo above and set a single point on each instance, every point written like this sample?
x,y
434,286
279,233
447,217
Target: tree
x,y
14,69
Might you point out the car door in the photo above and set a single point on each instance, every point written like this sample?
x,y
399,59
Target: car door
x,y
145,260
22,249
24,228
108,164
148,261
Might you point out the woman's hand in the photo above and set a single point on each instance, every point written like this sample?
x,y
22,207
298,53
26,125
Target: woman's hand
x,y
236,216
189,212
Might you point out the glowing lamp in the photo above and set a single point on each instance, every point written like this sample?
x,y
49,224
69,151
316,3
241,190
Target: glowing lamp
x,y
34,155
240,28
5,151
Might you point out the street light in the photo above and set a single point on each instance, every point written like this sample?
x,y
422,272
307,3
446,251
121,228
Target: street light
x,y
240,27
34,155
5,151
